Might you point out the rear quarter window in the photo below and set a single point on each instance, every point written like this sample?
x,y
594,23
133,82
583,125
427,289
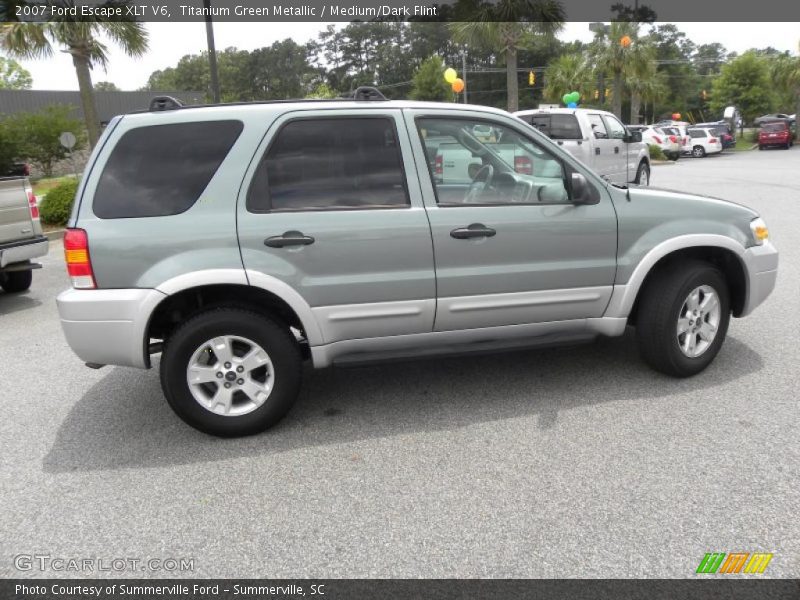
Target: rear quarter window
x,y
162,170
556,126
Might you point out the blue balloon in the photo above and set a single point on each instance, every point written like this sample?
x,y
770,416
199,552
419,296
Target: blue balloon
x,y
572,105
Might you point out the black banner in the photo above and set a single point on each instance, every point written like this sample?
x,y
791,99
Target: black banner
x,y
733,588
399,10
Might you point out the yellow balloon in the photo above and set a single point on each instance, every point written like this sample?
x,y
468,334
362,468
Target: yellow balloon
x,y
450,75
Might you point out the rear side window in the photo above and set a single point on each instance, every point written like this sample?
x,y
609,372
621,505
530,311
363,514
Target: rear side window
x,y
162,170
331,163
556,127
697,133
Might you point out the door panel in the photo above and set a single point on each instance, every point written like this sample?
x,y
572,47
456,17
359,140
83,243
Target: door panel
x,y
619,149
365,265
546,259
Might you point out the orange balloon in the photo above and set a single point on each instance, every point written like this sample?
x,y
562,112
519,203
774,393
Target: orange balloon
x,y
625,41
458,85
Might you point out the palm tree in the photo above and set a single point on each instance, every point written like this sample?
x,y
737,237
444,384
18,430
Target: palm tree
x,y
785,72
644,83
618,59
568,73
505,26
82,41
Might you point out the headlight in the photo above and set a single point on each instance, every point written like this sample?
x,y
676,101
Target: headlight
x,y
760,231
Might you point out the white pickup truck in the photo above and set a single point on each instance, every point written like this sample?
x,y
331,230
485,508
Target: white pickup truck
x,y
21,237
596,138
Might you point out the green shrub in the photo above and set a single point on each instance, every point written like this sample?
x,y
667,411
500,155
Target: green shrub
x,y
57,205
656,153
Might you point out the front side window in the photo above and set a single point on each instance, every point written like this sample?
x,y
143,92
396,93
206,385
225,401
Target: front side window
x,y
162,170
477,162
616,130
331,164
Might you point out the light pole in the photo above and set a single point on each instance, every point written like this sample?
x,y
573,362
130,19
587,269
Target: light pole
x,y
600,30
212,52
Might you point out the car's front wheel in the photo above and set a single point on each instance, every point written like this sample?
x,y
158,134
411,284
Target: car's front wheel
x,y
683,318
16,281
642,174
231,372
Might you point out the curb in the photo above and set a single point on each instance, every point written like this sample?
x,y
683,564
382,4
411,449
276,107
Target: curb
x,y
55,235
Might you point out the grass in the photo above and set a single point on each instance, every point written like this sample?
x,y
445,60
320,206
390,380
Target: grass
x,y
44,185
743,145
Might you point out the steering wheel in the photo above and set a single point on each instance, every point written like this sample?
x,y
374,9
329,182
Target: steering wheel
x,y
482,180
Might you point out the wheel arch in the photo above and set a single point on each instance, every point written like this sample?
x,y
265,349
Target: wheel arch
x,y
263,294
721,251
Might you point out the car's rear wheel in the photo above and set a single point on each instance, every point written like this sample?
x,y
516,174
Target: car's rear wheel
x,y
698,152
683,318
642,174
16,281
231,372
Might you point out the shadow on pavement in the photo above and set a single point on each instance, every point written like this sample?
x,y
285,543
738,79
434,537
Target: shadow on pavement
x,y
123,421
11,303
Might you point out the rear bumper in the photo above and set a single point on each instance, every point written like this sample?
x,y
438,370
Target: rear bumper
x,y
761,263
16,252
107,327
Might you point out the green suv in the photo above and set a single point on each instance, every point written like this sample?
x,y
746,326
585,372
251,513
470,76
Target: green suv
x,y
240,240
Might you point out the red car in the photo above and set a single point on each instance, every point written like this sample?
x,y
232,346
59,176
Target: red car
x,y
776,133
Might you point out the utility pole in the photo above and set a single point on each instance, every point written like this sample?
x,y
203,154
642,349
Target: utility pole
x,y
464,72
212,52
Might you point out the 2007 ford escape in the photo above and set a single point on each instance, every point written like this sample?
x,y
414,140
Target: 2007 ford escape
x,y
241,240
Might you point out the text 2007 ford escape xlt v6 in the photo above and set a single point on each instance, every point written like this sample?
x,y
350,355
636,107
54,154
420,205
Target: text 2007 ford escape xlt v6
x,y
240,240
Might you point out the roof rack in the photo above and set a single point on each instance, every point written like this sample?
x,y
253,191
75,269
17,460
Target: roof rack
x,y
364,93
165,103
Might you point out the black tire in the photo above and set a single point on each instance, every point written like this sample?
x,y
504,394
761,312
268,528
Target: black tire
x,y
277,341
760,147
698,152
657,318
674,157
643,168
16,281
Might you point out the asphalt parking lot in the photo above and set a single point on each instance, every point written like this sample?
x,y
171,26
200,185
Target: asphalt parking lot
x,y
573,462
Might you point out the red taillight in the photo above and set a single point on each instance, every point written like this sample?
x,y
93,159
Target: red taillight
x,y
32,205
713,141
438,168
657,139
673,139
523,164
79,264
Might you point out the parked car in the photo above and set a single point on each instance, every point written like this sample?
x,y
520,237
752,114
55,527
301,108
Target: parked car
x,y
598,139
775,133
704,141
758,121
668,142
17,170
679,131
726,135
320,222
21,237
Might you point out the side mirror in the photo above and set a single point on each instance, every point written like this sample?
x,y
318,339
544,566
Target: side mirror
x,y
633,136
582,192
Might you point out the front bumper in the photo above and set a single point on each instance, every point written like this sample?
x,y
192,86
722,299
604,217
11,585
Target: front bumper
x,y
23,251
761,265
108,327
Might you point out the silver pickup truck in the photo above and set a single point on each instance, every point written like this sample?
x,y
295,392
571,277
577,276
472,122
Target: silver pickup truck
x,y
21,237
596,138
